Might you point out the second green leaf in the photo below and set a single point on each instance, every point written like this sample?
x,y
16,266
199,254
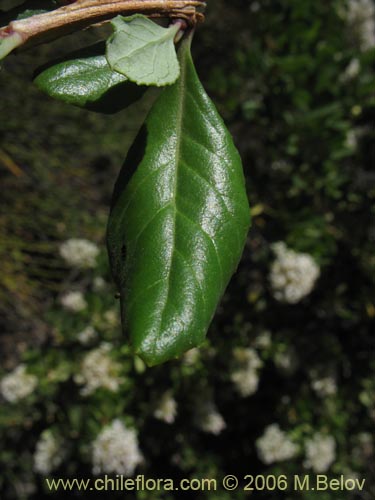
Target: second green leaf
x,y
179,220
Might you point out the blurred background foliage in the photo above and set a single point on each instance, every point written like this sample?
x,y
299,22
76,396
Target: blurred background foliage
x,y
294,82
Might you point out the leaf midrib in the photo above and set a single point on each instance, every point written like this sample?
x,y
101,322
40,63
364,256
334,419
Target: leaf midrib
x,y
153,42
179,123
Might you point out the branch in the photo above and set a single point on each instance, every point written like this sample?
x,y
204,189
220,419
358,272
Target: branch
x,y
84,13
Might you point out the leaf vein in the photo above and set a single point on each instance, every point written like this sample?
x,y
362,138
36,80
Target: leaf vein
x,y
185,260
136,188
219,194
137,237
142,292
194,223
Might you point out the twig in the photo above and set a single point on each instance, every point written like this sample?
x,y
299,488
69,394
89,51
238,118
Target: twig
x,y
84,13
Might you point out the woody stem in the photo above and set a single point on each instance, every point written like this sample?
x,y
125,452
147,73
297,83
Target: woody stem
x,y
84,13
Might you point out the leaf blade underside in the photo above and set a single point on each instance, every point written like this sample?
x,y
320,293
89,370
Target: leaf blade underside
x,y
177,228
139,44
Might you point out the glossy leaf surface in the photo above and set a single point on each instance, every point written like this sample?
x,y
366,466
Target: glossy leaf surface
x,y
85,79
143,51
178,224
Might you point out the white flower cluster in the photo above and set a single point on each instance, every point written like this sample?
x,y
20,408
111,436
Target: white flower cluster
x,y
99,284
111,317
208,419
325,386
245,376
281,166
364,448
73,301
166,409
275,445
352,70
49,453
98,369
361,18
293,275
351,141
286,361
366,440
255,6
263,340
191,357
320,453
24,488
17,384
116,450
87,335
79,253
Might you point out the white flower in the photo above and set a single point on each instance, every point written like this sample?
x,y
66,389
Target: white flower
x,y
191,356
166,410
207,417
111,317
365,439
255,6
352,70
87,335
79,253
361,19
320,453
99,284
351,141
98,369
263,340
49,453
286,361
325,386
246,382
24,488
115,450
245,375
247,358
275,445
18,384
365,446
73,301
293,275
281,166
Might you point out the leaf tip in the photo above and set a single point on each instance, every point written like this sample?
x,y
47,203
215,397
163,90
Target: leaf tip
x,y
155,352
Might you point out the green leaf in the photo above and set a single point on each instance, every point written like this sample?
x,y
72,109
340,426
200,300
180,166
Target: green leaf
x,y
86,80
143,51
178,224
